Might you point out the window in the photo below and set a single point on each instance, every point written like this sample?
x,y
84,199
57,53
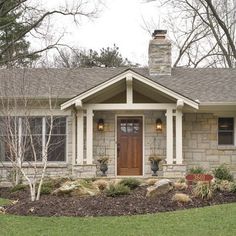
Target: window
x,y
226,131
57,144
29,135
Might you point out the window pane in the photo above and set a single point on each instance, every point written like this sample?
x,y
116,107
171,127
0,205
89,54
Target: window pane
x,y
226,124
226,138
57,148
58,126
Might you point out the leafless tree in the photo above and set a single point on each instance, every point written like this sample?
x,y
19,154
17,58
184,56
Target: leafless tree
x,y
23,142
37,21
203,32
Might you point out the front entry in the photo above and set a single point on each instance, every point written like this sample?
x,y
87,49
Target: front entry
x,y
129,145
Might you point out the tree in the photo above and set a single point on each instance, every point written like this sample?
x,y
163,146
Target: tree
x,y
107,57
204,32
11,28
26,139
20,19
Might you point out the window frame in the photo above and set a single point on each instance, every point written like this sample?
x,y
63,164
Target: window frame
x,y
233,131
19,127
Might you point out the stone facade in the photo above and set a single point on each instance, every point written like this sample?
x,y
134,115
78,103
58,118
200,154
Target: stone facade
x,y
200,146
200,143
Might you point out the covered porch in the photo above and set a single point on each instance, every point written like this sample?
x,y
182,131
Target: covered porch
x,y
129,106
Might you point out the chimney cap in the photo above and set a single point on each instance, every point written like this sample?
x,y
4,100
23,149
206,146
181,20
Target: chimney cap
x,y
159,32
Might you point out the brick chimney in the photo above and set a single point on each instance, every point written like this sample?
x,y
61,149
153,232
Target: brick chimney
x,y
159,53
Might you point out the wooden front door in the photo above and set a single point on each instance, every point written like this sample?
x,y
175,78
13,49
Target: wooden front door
x,y
129,145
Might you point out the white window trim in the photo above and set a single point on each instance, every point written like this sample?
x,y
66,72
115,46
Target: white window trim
x,y
226,146
39,163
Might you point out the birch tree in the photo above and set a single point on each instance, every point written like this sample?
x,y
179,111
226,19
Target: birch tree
x,y
24,142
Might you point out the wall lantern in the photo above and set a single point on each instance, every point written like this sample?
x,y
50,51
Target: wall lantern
x,y
158,125
100,125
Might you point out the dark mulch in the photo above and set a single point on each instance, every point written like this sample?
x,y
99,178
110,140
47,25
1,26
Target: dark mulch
x,y
135,203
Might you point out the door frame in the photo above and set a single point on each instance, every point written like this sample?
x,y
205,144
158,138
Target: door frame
x,y
143,142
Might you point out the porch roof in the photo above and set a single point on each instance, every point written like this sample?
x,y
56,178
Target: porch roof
x,y
130,75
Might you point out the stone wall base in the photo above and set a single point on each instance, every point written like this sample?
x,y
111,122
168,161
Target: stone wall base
x,y
84,171
174,170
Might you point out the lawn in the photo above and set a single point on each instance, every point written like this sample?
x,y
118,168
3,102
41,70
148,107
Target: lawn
x,y
4,201
217,220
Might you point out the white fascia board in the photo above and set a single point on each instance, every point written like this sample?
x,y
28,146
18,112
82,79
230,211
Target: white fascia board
x,y
94,90
137,76
165,90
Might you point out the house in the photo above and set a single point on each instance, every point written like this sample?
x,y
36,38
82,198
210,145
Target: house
x,y
186,116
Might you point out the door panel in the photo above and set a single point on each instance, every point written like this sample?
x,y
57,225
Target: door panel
x,y
129,145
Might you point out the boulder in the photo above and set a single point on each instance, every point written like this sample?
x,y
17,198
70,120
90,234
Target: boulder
x,y
159,188
76,188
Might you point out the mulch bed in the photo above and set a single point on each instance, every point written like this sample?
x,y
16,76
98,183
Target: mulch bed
x,y
133,204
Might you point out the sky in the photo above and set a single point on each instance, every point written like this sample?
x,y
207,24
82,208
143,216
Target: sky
x,y
120,22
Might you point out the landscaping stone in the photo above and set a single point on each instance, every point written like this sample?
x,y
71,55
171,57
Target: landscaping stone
x,y
76,188
159,188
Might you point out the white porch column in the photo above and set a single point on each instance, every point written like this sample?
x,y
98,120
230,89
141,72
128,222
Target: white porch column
x,y
89,128
129,89
179,137
169,136
80,137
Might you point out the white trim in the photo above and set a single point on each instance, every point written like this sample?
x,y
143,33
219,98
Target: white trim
x,y
43,134
169,136
129,89
143,143
138,77
179,137
80,137
134,106
89,137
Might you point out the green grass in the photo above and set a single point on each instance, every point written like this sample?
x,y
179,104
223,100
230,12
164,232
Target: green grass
x,y
4,202
217,221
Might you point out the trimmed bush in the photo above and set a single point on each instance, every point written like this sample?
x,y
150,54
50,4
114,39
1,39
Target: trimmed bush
x,y
18,187
223,173
197,170
203,190
132,183
117,190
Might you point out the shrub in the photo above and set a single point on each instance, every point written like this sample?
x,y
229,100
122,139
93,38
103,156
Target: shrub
x,y
181,197
203,190
101,184
180,186
197,170
117,190
46,188
223,173
132,183
18,187
233,189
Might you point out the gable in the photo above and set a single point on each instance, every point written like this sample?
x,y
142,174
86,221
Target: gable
x,y
117,84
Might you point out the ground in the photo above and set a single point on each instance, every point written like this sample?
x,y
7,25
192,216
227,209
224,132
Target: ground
x,y
134,203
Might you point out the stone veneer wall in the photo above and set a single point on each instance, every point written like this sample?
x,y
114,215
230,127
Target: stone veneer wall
x,y
54,169
200,143
104,142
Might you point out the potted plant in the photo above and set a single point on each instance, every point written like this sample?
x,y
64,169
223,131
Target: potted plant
x,y
155,160
103,161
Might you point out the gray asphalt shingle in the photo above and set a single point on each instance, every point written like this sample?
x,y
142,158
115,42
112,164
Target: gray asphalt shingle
x,y
204,84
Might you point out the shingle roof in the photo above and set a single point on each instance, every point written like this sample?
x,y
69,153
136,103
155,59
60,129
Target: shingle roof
x,y
206,85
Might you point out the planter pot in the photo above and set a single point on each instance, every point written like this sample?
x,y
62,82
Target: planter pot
x,y
103,168
154,167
